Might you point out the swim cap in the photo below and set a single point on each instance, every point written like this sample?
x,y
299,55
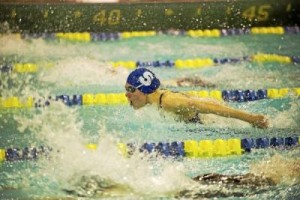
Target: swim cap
x,y
144,80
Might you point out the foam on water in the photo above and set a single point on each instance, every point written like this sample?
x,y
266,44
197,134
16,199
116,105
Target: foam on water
x,y
282,169
78,71
62,132
288,118
40,48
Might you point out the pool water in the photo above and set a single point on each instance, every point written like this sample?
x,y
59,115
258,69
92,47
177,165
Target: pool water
x,y
70,170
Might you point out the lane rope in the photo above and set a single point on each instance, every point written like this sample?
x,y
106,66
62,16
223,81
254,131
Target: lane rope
x,y
188,148
196,63
106,36
90,99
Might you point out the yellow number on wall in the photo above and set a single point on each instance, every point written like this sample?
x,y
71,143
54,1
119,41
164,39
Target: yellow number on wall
x,y
260,13
100,17
198,11
13,13
114,17
249,13
45,13
139,13
263,13
288,7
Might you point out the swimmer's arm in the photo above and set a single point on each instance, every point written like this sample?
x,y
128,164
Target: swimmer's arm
x,y
189,105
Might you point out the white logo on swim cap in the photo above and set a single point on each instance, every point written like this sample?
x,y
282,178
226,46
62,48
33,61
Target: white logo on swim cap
x,y
146,79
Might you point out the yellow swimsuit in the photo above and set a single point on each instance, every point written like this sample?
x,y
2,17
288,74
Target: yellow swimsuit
x,y
195,119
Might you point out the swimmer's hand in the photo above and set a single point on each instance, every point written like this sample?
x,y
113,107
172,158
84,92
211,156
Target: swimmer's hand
x,y
260,121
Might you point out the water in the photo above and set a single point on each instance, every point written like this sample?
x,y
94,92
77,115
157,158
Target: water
x,y
71,170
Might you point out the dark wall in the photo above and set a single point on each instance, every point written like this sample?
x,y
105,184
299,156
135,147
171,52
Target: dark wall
x,y
69,17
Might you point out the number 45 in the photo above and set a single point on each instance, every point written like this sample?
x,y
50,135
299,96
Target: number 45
x,y
259,13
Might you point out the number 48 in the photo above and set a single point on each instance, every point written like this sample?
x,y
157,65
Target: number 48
x,y
110,17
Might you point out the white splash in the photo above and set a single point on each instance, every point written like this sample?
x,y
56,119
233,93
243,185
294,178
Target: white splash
x,y
80,71
58,126
286,119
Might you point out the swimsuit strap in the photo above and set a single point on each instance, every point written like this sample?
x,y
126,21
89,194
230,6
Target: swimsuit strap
x,y
160,99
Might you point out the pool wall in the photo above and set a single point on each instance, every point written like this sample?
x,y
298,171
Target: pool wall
x,y
113,17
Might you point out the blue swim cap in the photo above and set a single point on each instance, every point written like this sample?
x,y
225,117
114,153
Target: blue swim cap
x,y
144,80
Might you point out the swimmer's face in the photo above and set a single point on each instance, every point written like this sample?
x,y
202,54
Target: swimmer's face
x,y
136,98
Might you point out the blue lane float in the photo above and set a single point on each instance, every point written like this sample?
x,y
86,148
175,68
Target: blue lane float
x,y
27,153
173,149
157,63
6,68
105,36
244,95
70,100
261,143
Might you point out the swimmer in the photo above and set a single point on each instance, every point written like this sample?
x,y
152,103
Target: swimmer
x,y
263,176
97,186
142,88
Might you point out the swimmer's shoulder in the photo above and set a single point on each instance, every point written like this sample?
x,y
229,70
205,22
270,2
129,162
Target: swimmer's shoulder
x,y
170,98
169,94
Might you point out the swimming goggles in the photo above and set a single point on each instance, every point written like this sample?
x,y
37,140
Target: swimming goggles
x,y
132,89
